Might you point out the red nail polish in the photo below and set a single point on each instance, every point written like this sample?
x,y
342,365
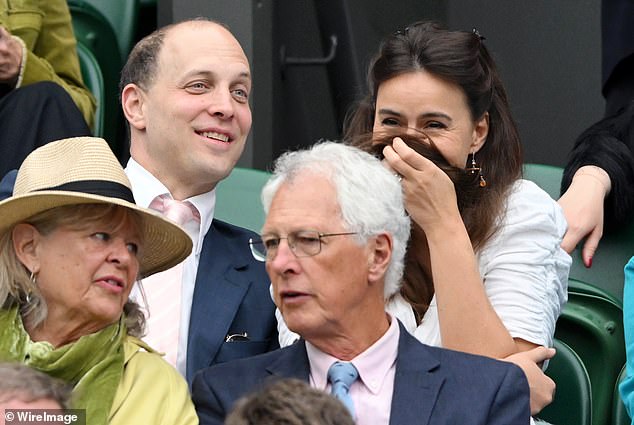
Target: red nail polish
x,y
589,264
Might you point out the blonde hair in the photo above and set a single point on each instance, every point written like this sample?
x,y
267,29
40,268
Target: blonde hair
x,y
19,287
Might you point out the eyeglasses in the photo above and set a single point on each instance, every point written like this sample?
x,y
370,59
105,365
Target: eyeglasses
x,y
303,243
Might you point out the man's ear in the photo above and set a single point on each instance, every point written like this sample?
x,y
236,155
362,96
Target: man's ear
x,y
379,257
25,243
132,101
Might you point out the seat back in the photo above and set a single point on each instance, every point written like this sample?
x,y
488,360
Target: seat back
x,y
238,198
592,325
548,177
619,413
93,78
614,250
572,404
122,15
94,32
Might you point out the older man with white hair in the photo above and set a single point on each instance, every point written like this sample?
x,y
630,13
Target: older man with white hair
x,y
334,241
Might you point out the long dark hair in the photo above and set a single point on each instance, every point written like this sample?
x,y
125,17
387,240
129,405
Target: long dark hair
x,y
461,58
468,191
417,286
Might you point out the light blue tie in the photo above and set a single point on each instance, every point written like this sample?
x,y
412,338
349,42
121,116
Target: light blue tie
x,y
341,375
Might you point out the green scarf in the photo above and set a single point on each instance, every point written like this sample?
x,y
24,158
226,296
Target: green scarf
x,y
93,364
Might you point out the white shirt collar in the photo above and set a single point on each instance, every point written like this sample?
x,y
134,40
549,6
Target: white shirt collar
x,y
146,187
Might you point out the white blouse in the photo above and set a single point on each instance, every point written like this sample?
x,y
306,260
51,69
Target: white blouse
x,y
523,267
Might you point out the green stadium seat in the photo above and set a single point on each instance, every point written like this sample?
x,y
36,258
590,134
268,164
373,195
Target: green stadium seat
x,y
619,413
572,404
614,251
592,322
122,15
579,287
238,198
592,325
94,32
548,177
91,73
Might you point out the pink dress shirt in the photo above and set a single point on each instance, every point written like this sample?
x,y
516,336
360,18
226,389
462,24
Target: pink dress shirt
x,y
372,392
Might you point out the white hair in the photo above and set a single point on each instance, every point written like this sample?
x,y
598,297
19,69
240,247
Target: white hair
x,y
369,195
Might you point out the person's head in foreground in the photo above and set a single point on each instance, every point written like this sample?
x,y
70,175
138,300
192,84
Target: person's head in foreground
x,y
290,402
22,387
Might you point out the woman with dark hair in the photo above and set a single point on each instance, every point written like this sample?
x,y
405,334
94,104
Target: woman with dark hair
x,y
491,281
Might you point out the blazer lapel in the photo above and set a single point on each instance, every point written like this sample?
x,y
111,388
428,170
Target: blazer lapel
x,y
291,363
416,384
218,292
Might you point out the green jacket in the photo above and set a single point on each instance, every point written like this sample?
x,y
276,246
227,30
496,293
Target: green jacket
x,y
151,391
46,29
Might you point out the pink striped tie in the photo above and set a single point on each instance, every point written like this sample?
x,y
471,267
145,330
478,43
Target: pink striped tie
x,y
163,290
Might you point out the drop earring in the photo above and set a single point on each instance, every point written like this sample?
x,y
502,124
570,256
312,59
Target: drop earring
x,y
475,168
33,280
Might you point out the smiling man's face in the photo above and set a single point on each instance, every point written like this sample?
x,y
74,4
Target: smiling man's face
x,y
195,114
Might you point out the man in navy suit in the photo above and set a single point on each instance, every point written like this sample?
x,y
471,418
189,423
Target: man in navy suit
x,y
185,94
185,91
334,241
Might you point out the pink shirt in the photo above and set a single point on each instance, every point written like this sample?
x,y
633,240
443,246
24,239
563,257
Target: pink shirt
x,y
372,392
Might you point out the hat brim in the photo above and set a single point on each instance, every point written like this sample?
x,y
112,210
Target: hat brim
x,y
165,243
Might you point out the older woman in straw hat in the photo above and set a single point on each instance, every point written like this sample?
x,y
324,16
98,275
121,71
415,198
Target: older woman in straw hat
x,y
72,245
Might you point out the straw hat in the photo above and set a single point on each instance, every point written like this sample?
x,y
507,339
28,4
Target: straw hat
x,y
83,170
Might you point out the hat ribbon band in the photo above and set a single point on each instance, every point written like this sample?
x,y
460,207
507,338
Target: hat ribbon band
x,y
97,187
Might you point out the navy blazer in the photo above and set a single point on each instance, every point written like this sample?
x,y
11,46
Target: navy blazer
x,y
432,385
231,297
7,183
